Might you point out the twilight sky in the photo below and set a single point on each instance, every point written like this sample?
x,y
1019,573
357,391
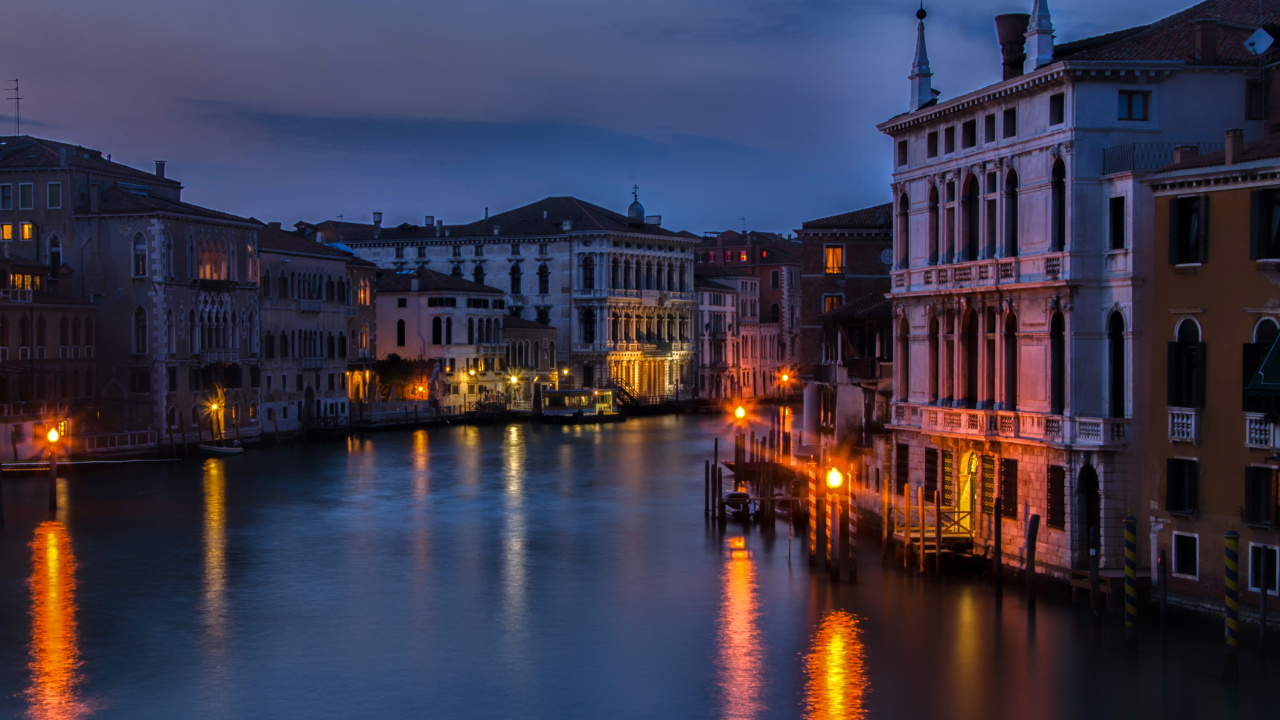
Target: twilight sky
x,y
310,109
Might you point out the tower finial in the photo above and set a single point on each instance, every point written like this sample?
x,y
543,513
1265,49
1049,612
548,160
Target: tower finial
x,y
921,76
1039,36
635,192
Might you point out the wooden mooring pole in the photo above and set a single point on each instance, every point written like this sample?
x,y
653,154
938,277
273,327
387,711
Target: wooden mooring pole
x,y
937,532
920,504
998,519
1033,531
706,487
907,544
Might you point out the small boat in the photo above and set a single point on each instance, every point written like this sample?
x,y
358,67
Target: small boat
x,y
735,505
232,448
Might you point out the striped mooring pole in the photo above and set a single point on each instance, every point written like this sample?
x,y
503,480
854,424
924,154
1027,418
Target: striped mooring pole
x,y
1232,550
1130,575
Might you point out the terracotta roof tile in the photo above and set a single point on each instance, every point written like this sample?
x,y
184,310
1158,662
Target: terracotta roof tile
x,y
429,281
877,217
1173,38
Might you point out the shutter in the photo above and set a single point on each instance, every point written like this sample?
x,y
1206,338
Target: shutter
x,y
1251,500
930,473
1173,485
1191,485
1204,229
1252,360
1255,224
1201,375
948,471
1174,369
1174,227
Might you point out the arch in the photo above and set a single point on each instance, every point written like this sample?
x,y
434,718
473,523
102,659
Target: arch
x,y
1186,368
1010,362
139,255
971,209
588,273
904,232
671,277
1058,207
1089,505
1011,214
1117,388
615,271
626,274
1265,331
1057,364
615,327
139,331
935,226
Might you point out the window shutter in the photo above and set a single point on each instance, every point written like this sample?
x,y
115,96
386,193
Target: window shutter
x,y
1190,485
1204,229
1173,485
1174,369
1252,501
1201,375
1255,224
1174,227
1252,360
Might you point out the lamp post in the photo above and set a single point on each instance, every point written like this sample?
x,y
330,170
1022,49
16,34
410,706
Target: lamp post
x,y
53,437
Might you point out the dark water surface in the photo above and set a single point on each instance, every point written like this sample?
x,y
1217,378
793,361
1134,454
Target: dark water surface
x,y
518,572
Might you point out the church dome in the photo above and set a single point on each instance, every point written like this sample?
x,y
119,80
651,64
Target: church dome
x,y
635,212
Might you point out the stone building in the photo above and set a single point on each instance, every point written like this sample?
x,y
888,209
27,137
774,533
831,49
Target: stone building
x,y
307,304
775,262
451,324
532,356
1015,209
719,372
617,288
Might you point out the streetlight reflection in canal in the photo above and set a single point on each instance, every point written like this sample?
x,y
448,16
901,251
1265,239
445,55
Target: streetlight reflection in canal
x,y
739,638
837,682
54,693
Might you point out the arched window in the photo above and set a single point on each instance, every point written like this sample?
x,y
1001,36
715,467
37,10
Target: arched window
x,y
171,333
342,344
55,256
626,274
1010,362
588,273
544,279
457,270
682,279
478,274
588,326
284,344
970,357
1117,388
399,333
904,232
1057,364
192,347
1058,209
64,330
971,209
139,255
935,226
1187,367
139,331
448,331
437,331
515,280
1266,331
1011,214
648,276
615,327
671,277
471,331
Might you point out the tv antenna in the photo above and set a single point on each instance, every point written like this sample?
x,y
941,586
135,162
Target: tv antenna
x,y
17,108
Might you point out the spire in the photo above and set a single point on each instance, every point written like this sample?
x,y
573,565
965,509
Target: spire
x,y
921,76
1039,37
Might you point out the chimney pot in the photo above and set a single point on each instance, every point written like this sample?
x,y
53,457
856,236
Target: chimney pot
x,y
1011,31
273,225
1234,145
413,284
430,220
496,228
439,228
1206,35
1184,153
377,219
160,168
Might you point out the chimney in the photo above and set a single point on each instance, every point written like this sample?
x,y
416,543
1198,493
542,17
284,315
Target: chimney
x,y
1011,31
439,228
486,212
273,226
95,197
1185,153
653,220
429,221
377,224
566,225
1207,41
1235,145
496,228
160,168
413,284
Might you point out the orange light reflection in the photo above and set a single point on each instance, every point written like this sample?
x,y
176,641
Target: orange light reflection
x,y
740,662
837,682
55,652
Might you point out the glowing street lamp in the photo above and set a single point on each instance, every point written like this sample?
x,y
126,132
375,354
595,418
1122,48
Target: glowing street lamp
x,y
740,413
834,479
53,435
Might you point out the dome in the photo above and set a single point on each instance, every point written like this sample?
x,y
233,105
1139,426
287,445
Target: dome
x,y
636,211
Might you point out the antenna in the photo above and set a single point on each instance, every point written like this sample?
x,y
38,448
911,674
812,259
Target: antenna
x,y
17,108
744,225
635,193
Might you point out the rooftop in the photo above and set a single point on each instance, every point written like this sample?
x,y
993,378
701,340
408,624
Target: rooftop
x,y
24,152
429,281
876,217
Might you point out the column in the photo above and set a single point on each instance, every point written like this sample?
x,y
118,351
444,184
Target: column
x,y
957,359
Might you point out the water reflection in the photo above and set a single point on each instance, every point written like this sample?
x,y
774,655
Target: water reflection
x,y
515,537
55,650
738,637
214,595
837,683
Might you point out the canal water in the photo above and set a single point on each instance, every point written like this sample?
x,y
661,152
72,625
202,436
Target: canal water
x,y
519,572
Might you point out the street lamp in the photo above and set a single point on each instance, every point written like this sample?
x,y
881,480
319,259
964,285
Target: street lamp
x,y
740,413
834,479
53,436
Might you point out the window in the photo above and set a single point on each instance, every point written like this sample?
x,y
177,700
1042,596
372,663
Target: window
x,y
902,152
588,273
1134,105
834,256
478,274
1057,364
1188,230
1264,568
544,279
1255,100
1186,556
774,278
949,140
1259,495
28,231
1264,225
989,129
931,144
1117,390
1057,109
399,333
1011,197
402,302
516,278
1058,207
1009,488
6,232
930,473
1117,222
140,331
6,197
1011,122
901,468
479,251
139,255
1056,501
26,196
400,253
55,256
1182,478
1186,367
139,380
831,302
969,134
1010,362
1265,335
54,193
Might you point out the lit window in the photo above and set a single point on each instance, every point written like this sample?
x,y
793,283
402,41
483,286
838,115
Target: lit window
x,y
6,232
834,255
28,231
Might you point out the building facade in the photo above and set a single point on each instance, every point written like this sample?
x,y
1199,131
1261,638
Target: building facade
x,y
775,263
1015,260
719,370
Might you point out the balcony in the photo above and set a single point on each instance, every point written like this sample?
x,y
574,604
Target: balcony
x,y
988,273
1145,157
312,363
309,306
1184,425
17,296
351,310
212,357
997,424
1261,431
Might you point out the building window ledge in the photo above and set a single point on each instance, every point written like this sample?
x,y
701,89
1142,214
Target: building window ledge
x,y
1186,268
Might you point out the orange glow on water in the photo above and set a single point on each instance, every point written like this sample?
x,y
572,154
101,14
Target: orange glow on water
x,y
55,651
741,653
215,551
837,682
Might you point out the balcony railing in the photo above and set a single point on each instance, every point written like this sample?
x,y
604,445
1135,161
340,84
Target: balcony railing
x,y
1184,425
1053,429
309,306
1261,432
990,272
219,356
1144,157
312,363
12,295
